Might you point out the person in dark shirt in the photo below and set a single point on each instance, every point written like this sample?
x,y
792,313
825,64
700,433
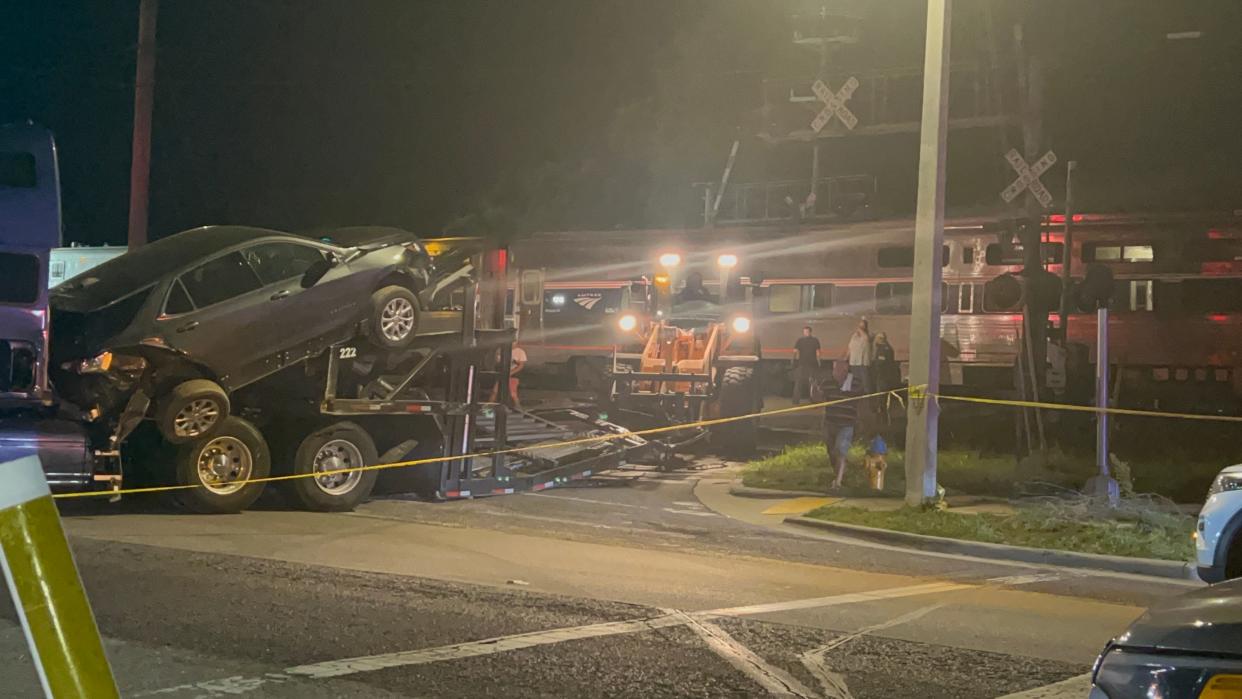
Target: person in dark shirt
x,y
806,364
839,421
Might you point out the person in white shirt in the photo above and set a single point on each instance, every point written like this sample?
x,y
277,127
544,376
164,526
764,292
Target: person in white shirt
x,y
858,354
517,362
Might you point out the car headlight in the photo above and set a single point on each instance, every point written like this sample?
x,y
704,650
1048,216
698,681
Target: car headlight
x,y
105,362
741,324
1225,482
98,364
627,322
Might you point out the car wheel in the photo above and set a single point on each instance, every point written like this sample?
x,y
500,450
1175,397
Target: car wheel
x,y
220,468
337,447
1233,559
192,409
394,317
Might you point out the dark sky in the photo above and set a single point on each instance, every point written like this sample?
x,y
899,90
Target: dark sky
x,y
305,113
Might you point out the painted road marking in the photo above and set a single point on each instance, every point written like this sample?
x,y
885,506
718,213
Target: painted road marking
x,y
836,600
1075,687
692,513
775,680
500,644
605,503
799,506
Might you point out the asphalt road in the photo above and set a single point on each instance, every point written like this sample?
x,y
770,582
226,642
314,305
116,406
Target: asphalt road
x,y
634,584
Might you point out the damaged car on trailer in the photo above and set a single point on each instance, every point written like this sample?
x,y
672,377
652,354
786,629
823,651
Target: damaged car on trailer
x,y
169,331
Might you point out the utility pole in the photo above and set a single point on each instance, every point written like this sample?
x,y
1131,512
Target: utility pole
x,y
923,413
812,199
144,97
1067,249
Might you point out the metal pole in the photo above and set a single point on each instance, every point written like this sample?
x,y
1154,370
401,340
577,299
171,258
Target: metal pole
x,y
1102,485
922,422
144,98
724,179
1101,389
1067,250
47,592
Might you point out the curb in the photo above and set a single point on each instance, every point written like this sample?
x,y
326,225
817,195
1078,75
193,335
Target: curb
x,y
745,491
1069,559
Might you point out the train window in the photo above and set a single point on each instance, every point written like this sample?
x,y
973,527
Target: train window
x,y
821,296
904,256
853,300
966,299
1212,295
1135,295
1004,255
968,254
893,298
1115,252
785,298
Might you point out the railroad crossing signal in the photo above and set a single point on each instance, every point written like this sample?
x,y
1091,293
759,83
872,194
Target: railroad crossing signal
x,y
1028,177
834,105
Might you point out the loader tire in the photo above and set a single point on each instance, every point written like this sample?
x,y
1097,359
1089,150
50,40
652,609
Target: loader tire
x,y
739,395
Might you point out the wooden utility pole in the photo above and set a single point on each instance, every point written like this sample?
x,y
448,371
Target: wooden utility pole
x,y
144,98
923,413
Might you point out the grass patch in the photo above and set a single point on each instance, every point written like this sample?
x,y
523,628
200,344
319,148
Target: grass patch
x,y
806,467
1137,532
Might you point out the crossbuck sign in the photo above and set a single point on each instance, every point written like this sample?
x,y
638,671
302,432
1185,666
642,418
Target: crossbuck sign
x,y
834,104
1028,177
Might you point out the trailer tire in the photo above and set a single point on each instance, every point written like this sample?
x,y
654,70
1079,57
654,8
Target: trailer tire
x,y
394,317
338,446
738,396
192,410
218,467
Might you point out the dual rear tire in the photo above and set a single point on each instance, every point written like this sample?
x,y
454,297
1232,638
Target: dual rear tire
x,y
216,474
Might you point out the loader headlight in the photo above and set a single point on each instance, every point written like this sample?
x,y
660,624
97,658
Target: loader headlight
x,y
627,322
741,324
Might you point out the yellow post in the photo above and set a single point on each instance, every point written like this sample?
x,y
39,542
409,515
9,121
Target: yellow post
x,y
47,592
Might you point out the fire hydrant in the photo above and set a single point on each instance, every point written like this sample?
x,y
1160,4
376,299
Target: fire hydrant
x,y
876,462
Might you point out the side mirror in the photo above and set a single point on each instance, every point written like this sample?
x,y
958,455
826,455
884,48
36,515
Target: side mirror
x,y
316,272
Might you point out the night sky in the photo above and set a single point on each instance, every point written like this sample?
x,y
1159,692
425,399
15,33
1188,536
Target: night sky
x,y
540,114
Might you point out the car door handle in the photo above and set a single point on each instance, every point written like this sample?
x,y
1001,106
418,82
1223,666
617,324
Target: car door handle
x,y
279,295
188,327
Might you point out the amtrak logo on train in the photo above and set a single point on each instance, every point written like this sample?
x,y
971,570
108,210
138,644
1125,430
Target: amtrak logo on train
x,y
588,301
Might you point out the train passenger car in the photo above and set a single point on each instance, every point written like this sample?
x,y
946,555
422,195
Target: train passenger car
x,y
1175,321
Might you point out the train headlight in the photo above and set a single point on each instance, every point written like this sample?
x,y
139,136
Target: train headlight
x,y
669,260
727,261
627,322
741,324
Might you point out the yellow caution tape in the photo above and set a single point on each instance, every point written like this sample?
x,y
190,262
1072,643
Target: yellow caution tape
x,y
1090,408
514,450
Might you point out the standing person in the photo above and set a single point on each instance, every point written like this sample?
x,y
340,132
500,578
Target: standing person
x,y
806,364
839,421
517,362
885,372
858,355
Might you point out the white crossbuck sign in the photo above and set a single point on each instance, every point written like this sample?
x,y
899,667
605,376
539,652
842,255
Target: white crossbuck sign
x,y
834,104
1028,177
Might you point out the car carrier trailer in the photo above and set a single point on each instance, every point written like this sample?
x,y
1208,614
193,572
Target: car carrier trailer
x,y
355,405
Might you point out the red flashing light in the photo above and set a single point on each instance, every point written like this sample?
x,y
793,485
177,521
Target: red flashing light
x,y
1216,267
1214,234
1219,317
1060,218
